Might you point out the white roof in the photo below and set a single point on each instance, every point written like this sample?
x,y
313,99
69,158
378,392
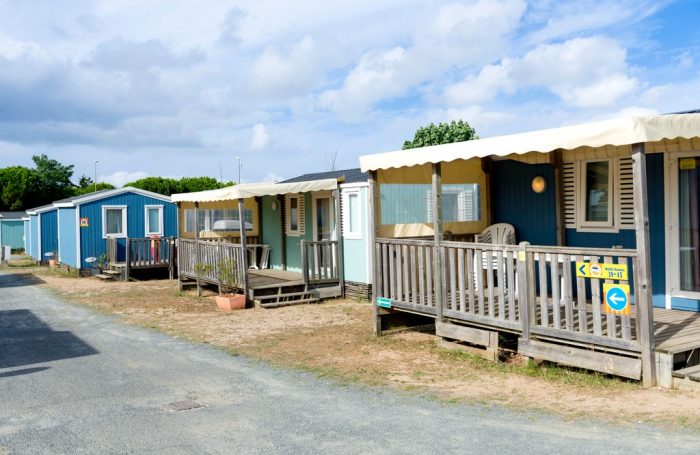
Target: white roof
x,y
615,132
247,190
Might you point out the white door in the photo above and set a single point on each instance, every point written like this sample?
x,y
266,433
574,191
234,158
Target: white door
x,y
324,230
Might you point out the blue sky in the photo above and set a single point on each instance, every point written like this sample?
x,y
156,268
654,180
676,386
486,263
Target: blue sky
x,y
175,88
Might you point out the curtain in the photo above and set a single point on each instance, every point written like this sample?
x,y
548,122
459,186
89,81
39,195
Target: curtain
x,y
688,234
114,221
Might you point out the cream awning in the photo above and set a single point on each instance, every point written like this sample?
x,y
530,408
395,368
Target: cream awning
x,y
247,190
615,132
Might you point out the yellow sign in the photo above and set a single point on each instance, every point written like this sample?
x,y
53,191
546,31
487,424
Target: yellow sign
x,y
687,164
84,222
617,298
602,271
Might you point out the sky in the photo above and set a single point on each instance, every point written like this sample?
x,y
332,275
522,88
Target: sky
x,y
182,88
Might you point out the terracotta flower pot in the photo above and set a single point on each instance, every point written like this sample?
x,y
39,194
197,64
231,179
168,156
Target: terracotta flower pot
x,y
230,302
52,263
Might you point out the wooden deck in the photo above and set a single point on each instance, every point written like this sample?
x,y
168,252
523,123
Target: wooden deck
x,y
270,278
676,331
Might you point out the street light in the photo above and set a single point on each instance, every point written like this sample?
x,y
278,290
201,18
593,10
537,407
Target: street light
x,y
239,169
95,180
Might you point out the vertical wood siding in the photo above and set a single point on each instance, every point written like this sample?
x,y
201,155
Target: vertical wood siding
x,y
49,233
67,239
12,233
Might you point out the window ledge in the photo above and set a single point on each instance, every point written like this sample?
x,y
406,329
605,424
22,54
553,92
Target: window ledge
x,y
599,229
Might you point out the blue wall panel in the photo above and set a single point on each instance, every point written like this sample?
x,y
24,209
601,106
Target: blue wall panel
x,y
92,244
27,237
513,201
12,233
49,233
34,228
67,236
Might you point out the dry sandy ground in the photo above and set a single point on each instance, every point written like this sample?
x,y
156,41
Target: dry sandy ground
x,y
334,340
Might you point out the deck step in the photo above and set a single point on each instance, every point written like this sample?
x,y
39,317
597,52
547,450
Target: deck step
x,y
288,303
102,276
689,372
282,296
112,272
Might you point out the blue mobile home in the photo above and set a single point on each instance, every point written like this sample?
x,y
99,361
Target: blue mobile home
x,y
78,228
621,194
12,230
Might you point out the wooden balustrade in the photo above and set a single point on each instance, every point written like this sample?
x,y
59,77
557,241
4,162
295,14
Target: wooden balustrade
x,y
320,262
217,263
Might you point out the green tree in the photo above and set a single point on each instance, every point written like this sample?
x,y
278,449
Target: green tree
x,y
53,178
193,184
168,186
86,185
18,188
442,133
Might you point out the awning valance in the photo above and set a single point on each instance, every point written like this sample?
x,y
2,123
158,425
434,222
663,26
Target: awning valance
x,y
248,190
615,132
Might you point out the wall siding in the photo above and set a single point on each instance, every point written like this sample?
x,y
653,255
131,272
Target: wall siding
x,y
12,233
294,242
67,237
49,233
272,230
513,201
27,237
34,228
91,242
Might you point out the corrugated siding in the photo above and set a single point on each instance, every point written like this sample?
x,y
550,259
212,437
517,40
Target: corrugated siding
x,y
355,250
34,228
513,201
49,233
67,236
272,230
12,233
91,242
27,237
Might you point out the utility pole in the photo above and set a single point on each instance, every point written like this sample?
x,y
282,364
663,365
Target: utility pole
x,y
221,172
95,179
239,169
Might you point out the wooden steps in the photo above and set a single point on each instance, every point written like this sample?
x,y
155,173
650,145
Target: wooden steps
x,y
692,373
285,296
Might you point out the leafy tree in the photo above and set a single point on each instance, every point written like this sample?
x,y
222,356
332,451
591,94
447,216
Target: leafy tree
x,y
53,178
79,191
18,188
193,184
160,185
442,133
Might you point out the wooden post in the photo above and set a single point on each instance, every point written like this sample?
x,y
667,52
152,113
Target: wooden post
x,y
643,300
283,229
374,220
437,238
197,248
127,265
524,290
339,237
244,245
559,197
487,167
305,264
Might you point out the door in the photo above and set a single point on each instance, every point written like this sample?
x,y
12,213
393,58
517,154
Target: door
x,y
683,226
324,230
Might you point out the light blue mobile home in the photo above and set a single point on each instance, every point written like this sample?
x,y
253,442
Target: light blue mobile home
x,y
12,230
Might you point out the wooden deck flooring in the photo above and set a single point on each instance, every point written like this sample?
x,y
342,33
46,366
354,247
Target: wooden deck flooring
x,y
675,330
259,279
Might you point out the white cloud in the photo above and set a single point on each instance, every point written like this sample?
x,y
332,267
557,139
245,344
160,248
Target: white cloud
x,y
260,137
583,72
120,178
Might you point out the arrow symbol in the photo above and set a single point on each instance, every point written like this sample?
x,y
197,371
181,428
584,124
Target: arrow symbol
x,y
582,269
616,299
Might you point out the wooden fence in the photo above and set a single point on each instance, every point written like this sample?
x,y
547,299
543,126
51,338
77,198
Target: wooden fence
x,y
142,253
529,290
217,263
320,262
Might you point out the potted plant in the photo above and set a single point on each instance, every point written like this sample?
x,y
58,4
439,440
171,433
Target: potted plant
x,y
228,276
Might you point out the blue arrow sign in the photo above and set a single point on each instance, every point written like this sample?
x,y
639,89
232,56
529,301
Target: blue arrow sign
x,y
616,298
582,268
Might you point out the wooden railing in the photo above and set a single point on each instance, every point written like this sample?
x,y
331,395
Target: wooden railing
x,y
147,253
216,263
320,262
530,290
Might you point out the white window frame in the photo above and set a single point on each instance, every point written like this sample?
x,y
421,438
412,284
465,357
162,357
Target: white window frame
x,y
147,227
294,232
671,199
582,225
125,219
348,231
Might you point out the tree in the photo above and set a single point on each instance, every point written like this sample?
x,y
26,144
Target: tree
x,y
443,133
18,188
193,184
168,186
53,178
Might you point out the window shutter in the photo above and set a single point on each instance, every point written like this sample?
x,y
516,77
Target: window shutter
x,y
626,193
286,214
569,178
302,215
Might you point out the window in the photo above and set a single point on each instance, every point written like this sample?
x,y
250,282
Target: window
x,y
154,220
295,215
218,220
352,217
113,221
595,195
413,203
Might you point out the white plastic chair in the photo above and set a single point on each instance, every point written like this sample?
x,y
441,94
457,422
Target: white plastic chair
x,y
498,234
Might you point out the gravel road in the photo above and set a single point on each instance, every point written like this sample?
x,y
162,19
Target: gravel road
x,y
74,381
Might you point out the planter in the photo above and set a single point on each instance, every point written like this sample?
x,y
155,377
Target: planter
x,y
52,263
230,302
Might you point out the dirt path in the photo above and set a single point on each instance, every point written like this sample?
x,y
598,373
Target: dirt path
x,y
334,340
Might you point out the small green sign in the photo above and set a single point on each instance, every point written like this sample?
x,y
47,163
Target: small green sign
x,y
383,302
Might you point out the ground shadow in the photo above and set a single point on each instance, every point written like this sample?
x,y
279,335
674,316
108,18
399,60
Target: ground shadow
x,y
26,340
23,371
15,280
